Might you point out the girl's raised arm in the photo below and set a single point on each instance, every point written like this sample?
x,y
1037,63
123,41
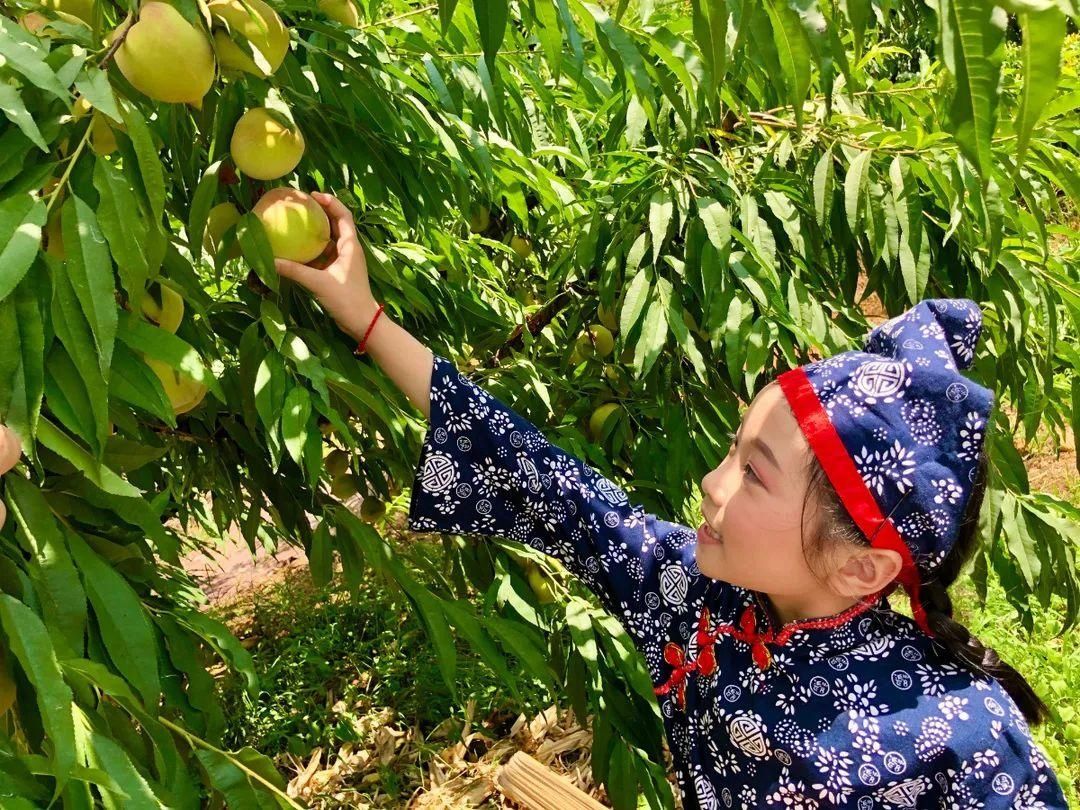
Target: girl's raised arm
x,y
339,280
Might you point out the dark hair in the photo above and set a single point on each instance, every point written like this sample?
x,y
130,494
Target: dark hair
x,y
835,525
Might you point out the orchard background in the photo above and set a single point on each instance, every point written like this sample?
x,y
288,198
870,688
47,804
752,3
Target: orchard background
x,y
723,186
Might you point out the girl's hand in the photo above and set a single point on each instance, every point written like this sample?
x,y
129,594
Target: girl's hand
x,y
338,278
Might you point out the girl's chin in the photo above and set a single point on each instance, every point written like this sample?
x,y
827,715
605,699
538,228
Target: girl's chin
x,y
708,558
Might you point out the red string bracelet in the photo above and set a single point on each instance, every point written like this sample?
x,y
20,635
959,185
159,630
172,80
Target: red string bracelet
x,y
363,341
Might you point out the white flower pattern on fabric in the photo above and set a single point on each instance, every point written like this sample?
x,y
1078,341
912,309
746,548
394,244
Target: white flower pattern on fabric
x,y
867,715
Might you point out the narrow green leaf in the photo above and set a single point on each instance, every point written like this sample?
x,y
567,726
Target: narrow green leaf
x,y
854,185
28,59
201,203
101,476
121,220
21,220
634,303
1043,35
150,168
661,208
137,794
90,271
12,105
824,178
125,629
794,51
972,33
255,246
491,18
294,421
56,581
30,642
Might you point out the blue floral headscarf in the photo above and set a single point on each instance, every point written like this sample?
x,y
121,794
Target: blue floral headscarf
x,y
899,431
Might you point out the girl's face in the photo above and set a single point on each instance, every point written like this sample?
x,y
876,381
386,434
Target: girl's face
x,y
753,505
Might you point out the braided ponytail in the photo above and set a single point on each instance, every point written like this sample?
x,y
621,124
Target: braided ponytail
x,y
835,525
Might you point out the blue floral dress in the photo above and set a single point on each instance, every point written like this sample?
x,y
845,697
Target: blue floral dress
x,y
860,711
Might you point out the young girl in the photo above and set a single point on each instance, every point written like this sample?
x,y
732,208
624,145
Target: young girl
x,y
784,677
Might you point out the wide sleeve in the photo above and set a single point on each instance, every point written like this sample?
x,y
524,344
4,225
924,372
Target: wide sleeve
x,y
1006,770
486,470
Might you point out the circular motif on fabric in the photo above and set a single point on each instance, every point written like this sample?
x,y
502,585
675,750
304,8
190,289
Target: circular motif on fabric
x,y
483,506
911,343
704,791
673,584
1002,784
592,565
732,693
747,733
921,419
839,662
895,762
956,392
725,794
993,707
610,491
611,519
652,600
463,490
464,444
440,435
909,653
658,551
901,680
865,803
869,774
666,708
880,379
819,686
782,756
864,625
516,438
439,473
545,479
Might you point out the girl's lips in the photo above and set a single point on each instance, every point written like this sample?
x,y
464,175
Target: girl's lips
x,y
705,538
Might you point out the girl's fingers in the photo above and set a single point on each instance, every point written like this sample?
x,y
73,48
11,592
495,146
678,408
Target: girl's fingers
x,y
300,273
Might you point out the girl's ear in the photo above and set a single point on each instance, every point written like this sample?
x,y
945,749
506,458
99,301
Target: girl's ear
x,y
865,571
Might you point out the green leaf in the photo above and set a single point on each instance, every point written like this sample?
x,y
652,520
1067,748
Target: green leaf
x,y
114,760
76,337
622,785
21,220
22,372
239,790
491,18
858,13
90,271
294,420
270,391
637,295
121,220
854,185
56,581
256,249
100,475
972,33
717,221
654,331
128,635
218,636
94,86
135,383
824,178
794,51
11,104
30,642
150,169
661,207
29,60
201,203
321,560
145,337
710,22
1043,35
625,56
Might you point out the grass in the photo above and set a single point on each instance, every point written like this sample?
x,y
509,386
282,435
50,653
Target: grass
x,y
335,666
1051,664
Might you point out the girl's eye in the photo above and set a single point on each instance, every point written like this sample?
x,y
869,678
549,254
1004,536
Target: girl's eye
x,y
748,471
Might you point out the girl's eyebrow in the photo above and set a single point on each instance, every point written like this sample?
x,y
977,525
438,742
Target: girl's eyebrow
x,y
765,450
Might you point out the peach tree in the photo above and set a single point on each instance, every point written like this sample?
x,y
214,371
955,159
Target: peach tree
x,y
620,219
